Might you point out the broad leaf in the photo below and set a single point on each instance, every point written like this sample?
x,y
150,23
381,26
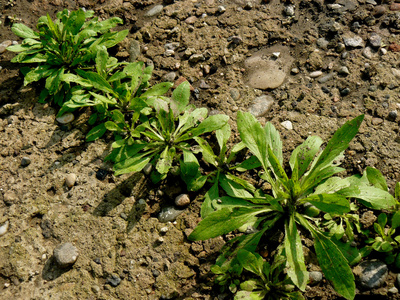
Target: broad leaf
x,y
210,124
376,178
329,203
251,261
296,268
24,31
190,172
180,98
274,141
206,206
158,89
232,188
96,133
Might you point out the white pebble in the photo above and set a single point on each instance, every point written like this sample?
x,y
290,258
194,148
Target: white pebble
x,y
287,124
316,74
66,118
70,180
4,228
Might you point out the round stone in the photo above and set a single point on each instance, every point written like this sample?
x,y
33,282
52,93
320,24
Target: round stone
x,y
182,200
287,124
154,11
70,180
65,254
261,105
66,118
25,161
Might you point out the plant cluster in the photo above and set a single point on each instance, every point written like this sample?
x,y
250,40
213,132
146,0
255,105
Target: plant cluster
x,y
165,134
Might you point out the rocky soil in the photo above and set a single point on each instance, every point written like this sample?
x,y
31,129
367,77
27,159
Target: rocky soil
x,y
307,66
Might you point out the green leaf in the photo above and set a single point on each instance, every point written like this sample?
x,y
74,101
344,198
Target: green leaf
x,y
158,89
101,60
96,133
164,163
396,219
247,295
180,97
248,164
118,116
206,206
97,81
371,197
232,188
206,150
332,262
223,221
376,178
304,154
222,136
251,261
190,172
329,203
112,126
296,268
210,124
277,168
24,31
53,82
134,164
274,141
338,143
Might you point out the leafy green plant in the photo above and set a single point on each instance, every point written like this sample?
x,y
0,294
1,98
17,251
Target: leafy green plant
x,y
311,181
163,137
60,48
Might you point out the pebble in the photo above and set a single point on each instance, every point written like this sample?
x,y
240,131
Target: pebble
x,y
383,51
395,6
375,40
204,85
326,78
344,71
168,214
221,9
10,198
289,11
191,20
315,277
379,10
261,105
287,124
6,285
171,46
101,174
316,74
134,50
182,200
394,47
66,118
164,229
371,273
195,58
25,161
295,71
65,254
95,289
376,121
147,169
169,77
322,43
4,45
235,94
114,280
70,180
367,52
4,228
355,41
392,116
154,11
345,92
393,290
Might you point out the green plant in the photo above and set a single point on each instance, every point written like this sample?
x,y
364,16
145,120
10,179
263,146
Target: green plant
x,y
311,181
60,48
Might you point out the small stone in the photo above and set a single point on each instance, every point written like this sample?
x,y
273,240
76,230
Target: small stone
x,y
170,76
124,216
10,198
134,50
344,71
295,71
154,11
221,9
114,280
25,161
65,254
182,200
169,52
345,92
379,10
66,118
354,41
287,124
326,78
340,47
70,180
392,116
168,214
394,7
322,43
95,289
4,45
394,47
155,272
367,52
371,274
164,229
376,121
248,6
393,290
147,169
383,51
235,94
316,74
195,58
191,20
289,11
6,284
261,105
204,85
375,40
171,46
4,228
315,277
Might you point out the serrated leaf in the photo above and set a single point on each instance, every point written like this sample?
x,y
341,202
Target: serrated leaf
x,y
296,268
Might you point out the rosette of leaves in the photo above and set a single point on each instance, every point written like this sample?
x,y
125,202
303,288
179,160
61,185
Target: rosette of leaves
x,y
224,167
61,47
311,181
160,138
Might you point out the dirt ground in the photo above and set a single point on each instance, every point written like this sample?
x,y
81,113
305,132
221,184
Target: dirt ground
x,y
327,68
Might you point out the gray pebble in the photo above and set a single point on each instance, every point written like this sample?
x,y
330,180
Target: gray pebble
x,y
95,289
182,200
194,58
393,290
345,91
65,254
344,71
70,180
171,46
114,280
392,115
134,50
367,52
371,274
170,76
261,105
375,40
168,214
147,169
221,9
355,41
315,277
203,84
154,11
25,161
322,43
326,78
235,94
315,74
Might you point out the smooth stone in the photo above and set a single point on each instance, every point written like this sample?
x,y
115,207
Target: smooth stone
x,y
315,277
221,9
375,40
168,214
376,121
344,71
134,50
295,71
235,94
182,200
154,11
265,73
147,169
326,78
191,20
203,84
65,254
195,58
66,118
371,273
393,290
289,11
322,43
25,161
170,76
345,92
4,228
70,180
367,52
354,41
114,280
261,105
287,124
392,115
315,74
4,45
